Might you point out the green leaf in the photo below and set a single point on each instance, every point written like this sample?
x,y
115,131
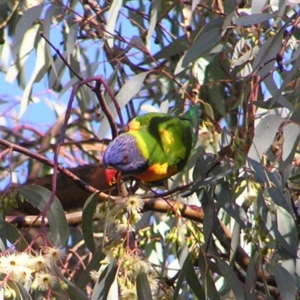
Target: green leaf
x,y
24,49
24,294
51,13
142,287
131,88
187,272
251,278
41,64
15,237
74,292
155,8
207,38
106,279
265,59
25,22
71,40
235,240
273,181
225,200
111,21
278,96
210,216
56,73
264,136
232,280
239,49
177,46
207,278
12,285
195,3
3,232
193,281
254,19
287,230
279,197
179,283
285,282
137,19
87,221
39,196
257,6
94,264
291,134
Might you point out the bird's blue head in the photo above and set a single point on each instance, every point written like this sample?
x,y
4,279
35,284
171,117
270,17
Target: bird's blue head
x,y
124,155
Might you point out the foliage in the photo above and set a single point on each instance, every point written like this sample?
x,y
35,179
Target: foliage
x,y
225,227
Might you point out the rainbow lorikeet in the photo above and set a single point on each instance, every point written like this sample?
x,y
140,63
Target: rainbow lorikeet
x,y
155,147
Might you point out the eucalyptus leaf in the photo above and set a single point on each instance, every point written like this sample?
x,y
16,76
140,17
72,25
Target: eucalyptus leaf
x,y
231,279
41,64
207,277
39,197
74,292
264,136
94,264
257,6
291,134
104,283
87,221
207,38
278,97
112,19
195,3
24,50
264,61
3,233
245,57
155,8
14,287
251,278
287,228
14,236
285,282
142,287
24,294
187,272
254,19
177,46
25,23
210,217
56,72
52,11
235,240
226,201
71,40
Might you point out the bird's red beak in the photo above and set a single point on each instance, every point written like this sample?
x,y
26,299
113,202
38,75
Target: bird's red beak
x,y
112,176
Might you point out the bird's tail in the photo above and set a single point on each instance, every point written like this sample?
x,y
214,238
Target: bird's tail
x,y
193,116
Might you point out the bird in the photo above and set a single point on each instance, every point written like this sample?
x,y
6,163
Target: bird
x,y
155,146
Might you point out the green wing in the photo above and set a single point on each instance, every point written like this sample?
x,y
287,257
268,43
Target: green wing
x,y
164,138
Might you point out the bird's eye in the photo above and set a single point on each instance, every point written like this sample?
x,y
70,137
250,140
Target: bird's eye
x,y
125,159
